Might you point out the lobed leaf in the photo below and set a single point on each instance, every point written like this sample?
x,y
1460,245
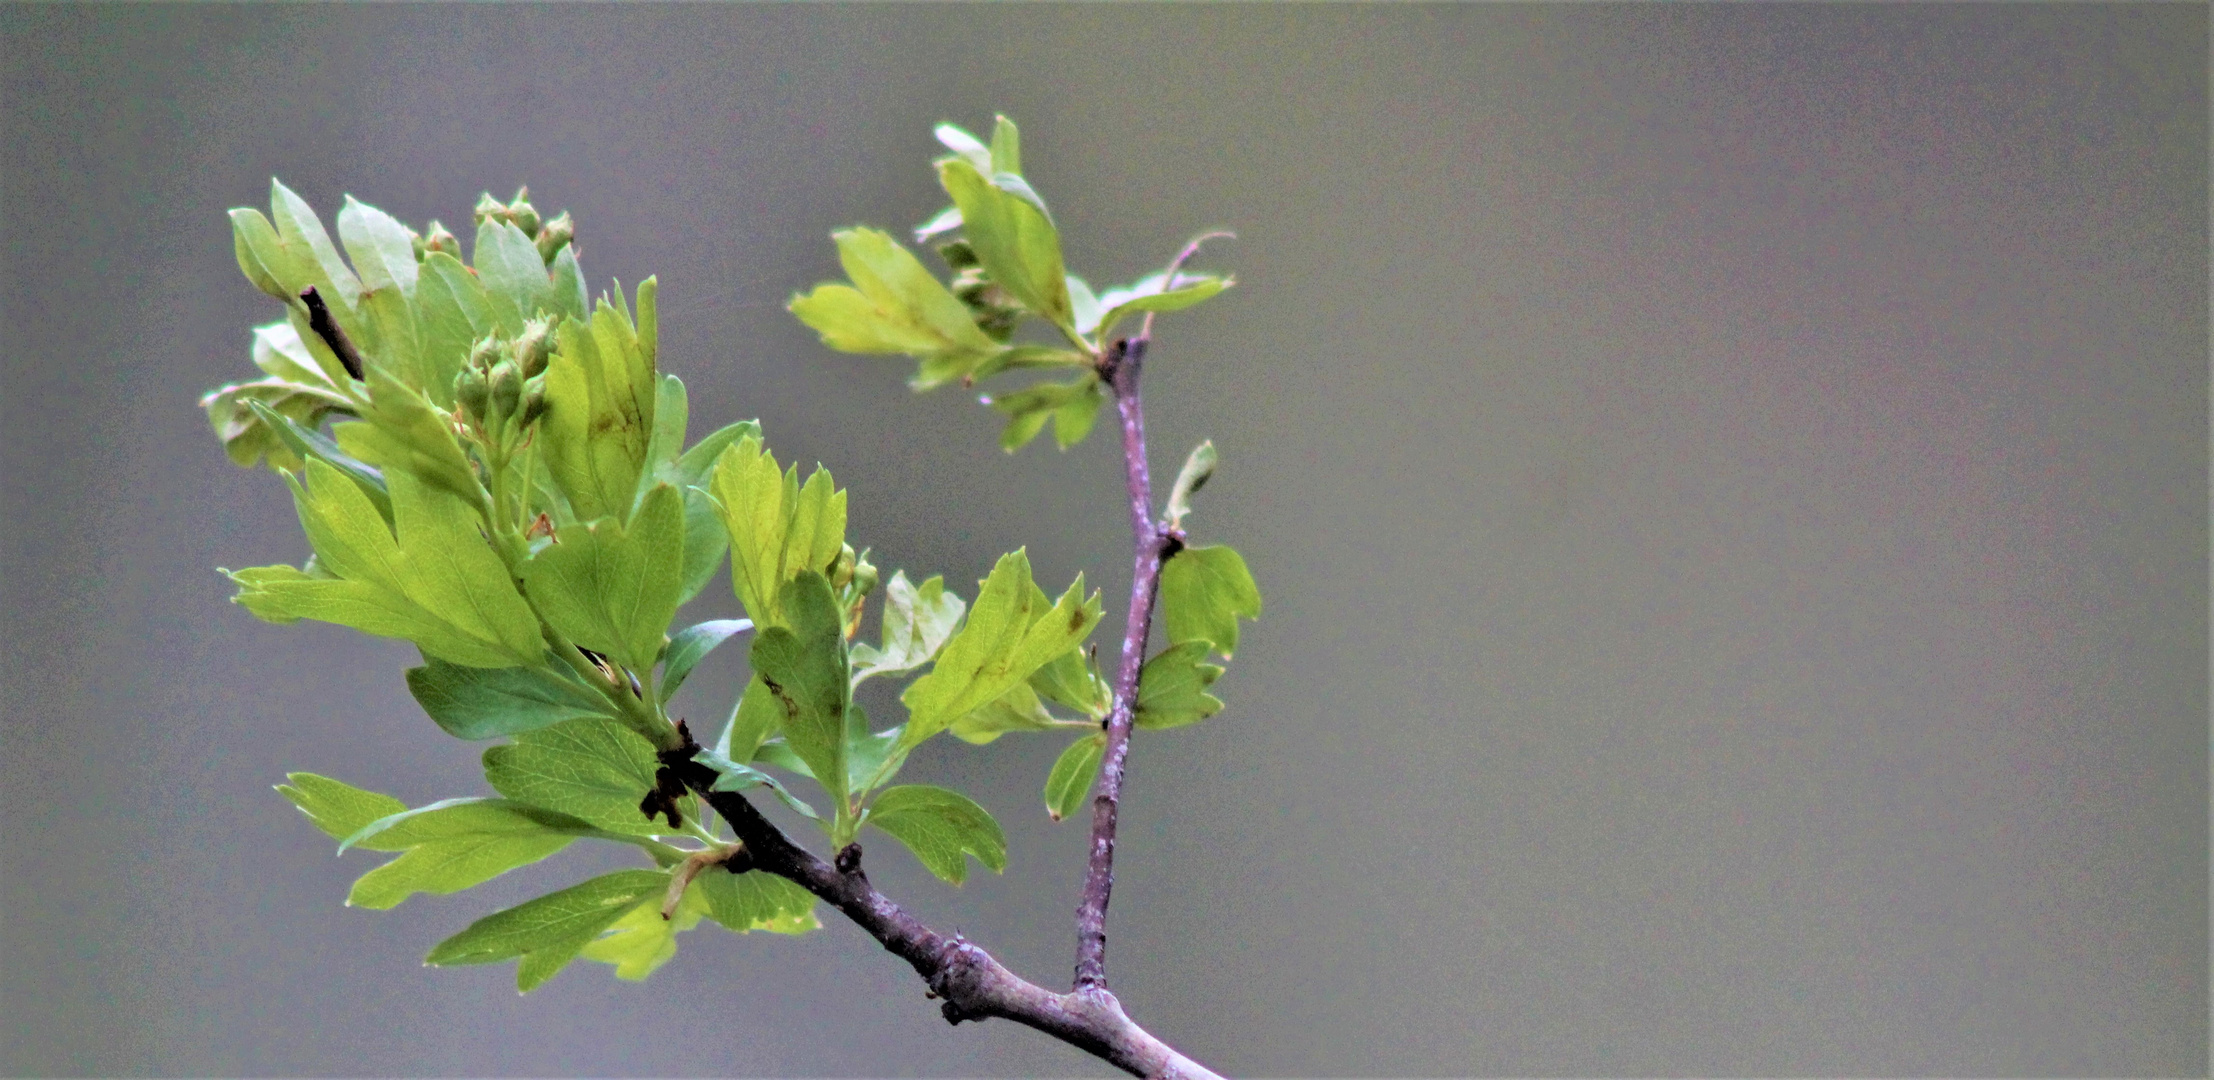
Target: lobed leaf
x,y
1006,224
803,667
590,768
756,900
614,590
548,932
1172,688
917,622
487,703
600,398
338,808
1204,592
1072,776
455,845
940,826
1009,635
777,527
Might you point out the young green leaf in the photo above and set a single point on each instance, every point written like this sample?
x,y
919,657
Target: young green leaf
x,y
339,809
939,826
514,275
777,527
600,397
383,253
756,900
457,845
642,940
1071,679
895,305
1007,637
689,645
548,932
306,442
593,769
1072,406
1016,710
705,539
1204,591
737,777
401,431
301,233
1198,468
613,590
753,720
1172,689
487,703
1149,294
437,584
803,665
917,622
1013,238
296,389
1006,148
567,297
451,313
1072,776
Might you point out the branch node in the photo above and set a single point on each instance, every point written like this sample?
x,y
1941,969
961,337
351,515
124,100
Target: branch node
x,y
848,861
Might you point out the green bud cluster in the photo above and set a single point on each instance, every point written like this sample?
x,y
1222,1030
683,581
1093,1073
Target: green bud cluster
x,y
550,236
505,379
436,239
995,312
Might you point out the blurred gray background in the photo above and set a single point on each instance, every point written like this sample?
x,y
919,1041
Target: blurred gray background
x,y
1730,485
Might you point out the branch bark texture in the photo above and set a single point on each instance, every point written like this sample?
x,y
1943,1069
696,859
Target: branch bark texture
x,y
970,982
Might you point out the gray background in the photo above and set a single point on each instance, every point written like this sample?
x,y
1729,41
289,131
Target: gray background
x,y
1729,484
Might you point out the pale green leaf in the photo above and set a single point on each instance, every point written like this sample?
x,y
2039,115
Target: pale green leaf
x,y
1009,635
614,590
1172,688
777,527
487,703
383,253
1016,710
1072,776
1150,294
940,826
594,769
756,900
402,431
514,275
803,665
339,809
1198,468
1204,591
601,391
1012,236
691,644
457,845
917,622
547,933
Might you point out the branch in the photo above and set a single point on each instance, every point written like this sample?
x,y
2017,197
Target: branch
x,y
333,335
971,983
1152,545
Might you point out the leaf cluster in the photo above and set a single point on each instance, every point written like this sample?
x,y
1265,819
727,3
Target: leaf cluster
x,y
490,465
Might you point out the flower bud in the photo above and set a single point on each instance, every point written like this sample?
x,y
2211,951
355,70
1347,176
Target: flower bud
x,y
864,576
555,236
522,213
415,243
438,239
488,208
485,352
534,401
841,568
472,392
506,388
534,347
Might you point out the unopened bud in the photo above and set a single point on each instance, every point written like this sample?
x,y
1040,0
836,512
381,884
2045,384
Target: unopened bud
x,y
472,392
534,347
864,575
489,208
522,213
841,568
957,254
506,388
415,243
534,401
485,353
555,236
438,239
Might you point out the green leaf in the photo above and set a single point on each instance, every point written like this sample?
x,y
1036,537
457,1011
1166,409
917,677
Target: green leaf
x,y
451,313
917,622
969,147
1204,591
594,769
567,298
639,942
939,826
383,253
1172,689
777,527
1072,776
1073,680
311,256
437,584
1149,294
706,542
737,777
1009,635
514,275
600,398
1072,406
755,718
455,845
1198,468
756,900
306,442
1006,147
260,253
548,932
296,388
337,808
1012,236
403,431
1016,710
690,645
895,305
872,758
614,590
803,666
487,703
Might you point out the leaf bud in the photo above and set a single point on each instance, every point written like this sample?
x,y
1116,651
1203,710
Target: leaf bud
x,y
534,347
522,213
555,236
841,568
506,388
534,401
438,239
415,243
472,391
864,576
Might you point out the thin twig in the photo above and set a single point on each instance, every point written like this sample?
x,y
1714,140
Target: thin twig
x,y
971,984
1151,546
333,335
